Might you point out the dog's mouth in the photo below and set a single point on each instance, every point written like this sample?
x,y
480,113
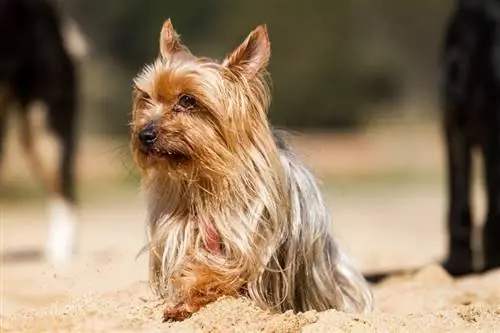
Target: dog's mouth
x,y
172,155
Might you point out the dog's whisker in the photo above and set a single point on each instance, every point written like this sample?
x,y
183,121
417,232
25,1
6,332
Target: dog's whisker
x,y
122,148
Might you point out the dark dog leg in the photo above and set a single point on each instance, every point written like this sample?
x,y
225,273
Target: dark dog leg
x,y
57,178
63,243
491,231
3,130
459,157
4,106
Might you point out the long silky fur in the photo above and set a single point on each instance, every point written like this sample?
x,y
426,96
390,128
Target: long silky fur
x,y
275,230
319,275
303,267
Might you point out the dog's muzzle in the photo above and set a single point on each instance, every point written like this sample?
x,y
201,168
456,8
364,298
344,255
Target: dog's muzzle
x,y
148,136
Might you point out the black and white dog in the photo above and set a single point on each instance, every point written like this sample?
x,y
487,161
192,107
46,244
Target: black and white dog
x,y
36,67
470,91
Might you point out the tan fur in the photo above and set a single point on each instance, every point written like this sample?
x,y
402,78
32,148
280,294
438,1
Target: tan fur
x,y
232,183
41,146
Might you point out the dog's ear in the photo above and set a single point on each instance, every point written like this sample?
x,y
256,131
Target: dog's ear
x,y
170,41
252,56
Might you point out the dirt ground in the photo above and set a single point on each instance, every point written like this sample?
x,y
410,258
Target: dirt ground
x,y
386,192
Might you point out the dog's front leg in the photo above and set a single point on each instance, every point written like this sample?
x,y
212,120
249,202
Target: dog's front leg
x,y
202,286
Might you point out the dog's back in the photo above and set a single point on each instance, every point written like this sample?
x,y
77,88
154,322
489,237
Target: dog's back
x,y
313,271
33,59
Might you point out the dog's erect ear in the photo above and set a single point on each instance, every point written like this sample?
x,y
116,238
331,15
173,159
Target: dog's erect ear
x,y
170,41
252,56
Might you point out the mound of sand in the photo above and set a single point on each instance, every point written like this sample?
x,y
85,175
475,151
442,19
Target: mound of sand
x,y
104,290
428,301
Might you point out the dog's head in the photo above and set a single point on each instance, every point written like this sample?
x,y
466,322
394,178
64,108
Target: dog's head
x,y
194,116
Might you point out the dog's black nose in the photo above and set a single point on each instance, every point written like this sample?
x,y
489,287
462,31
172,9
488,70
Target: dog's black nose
x,y
148,136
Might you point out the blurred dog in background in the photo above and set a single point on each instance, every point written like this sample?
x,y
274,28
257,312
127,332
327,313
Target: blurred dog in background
x,y
470,91
37,68
470,100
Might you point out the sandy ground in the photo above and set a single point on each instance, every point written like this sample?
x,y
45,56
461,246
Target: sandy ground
x,y
382,226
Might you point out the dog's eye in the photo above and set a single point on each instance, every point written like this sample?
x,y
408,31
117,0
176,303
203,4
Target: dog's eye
x,y
187,101
142,96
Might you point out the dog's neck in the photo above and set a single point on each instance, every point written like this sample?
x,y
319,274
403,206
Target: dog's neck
x,y
177,201
168,196
249,193
173,194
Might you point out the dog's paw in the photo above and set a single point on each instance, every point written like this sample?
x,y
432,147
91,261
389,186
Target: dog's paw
x,y
61,245
177,313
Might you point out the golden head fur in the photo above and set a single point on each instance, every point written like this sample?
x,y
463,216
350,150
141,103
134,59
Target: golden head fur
x,y
231,210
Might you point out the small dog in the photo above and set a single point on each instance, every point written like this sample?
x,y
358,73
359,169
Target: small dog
x,y
231,209
36,66
471,119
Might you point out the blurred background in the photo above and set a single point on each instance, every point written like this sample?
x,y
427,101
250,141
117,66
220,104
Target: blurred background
x,y
345,63
356,81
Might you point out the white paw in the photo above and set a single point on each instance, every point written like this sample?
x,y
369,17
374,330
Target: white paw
x,y
61,245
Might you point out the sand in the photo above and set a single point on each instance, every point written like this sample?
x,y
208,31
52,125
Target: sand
x,y
429,301
105,289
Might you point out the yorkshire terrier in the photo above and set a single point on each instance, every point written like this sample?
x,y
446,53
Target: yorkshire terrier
x,y
231,209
